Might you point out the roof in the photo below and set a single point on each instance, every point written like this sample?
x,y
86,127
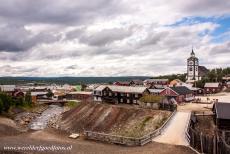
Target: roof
x,y
155,90
156,80
124,89
160,86
38,93
222,110
181,90
7,88
137,81
122,82
127,89
211,85
101,87
80,92
202,71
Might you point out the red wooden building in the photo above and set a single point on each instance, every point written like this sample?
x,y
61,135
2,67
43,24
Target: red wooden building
x,y
210,88
180,94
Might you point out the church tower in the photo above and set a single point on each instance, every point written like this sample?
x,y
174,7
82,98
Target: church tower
x,y
192,68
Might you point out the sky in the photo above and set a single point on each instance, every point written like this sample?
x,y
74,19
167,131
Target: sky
x,y
52,38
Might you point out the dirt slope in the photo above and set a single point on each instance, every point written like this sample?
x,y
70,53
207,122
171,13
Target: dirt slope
x,y
112,119
8,127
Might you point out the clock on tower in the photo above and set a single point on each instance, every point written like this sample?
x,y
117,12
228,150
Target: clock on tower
x,y
192,68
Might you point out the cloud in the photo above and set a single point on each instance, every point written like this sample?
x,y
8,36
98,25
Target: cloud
x,y
221,49
59,11
104,38
17,38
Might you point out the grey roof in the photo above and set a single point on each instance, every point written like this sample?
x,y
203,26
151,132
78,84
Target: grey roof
x,y
7,88
202,71
101,87
222,110
160,86
211,85
124,89
155,90
127,89
181,90
156,80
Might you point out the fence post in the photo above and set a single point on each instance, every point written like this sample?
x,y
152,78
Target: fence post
x,y
201,143
214,145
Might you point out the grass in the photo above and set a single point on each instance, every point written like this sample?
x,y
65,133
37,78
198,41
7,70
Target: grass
x,y
72,104
161,122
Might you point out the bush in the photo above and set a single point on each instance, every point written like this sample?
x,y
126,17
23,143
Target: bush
x,y
1,106
72,104
152,99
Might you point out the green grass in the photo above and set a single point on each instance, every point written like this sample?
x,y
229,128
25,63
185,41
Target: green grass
x,y
72,104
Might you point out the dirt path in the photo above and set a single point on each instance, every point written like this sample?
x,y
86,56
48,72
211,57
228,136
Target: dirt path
x,y
174,132
82,146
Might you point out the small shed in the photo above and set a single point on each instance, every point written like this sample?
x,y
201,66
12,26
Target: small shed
x,y
222,115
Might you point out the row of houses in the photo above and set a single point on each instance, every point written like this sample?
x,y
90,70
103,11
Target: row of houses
x,y
129,94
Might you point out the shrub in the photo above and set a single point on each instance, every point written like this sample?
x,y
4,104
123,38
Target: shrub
x,y
152,99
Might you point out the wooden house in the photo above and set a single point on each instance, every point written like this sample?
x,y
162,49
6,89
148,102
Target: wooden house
x,y
122,83
180,94
79,95
152,82
222,115
210,88
136,82
119,94
8,89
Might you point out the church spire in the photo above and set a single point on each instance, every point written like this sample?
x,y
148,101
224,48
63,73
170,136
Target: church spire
x,y
192,53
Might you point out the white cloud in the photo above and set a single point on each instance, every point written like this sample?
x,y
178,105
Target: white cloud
x,y
108,38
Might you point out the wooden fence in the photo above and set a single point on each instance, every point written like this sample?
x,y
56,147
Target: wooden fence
x,y
128,141
208,144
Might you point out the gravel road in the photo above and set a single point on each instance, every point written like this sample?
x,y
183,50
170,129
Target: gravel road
x,y
174,132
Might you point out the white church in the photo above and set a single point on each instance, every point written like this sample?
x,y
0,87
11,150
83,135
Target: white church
x,y
194,71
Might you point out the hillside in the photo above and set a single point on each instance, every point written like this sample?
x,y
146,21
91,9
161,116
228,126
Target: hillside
x,y
69,80
126,121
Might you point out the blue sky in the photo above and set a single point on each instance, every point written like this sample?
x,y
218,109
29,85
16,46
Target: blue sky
x,y
223,23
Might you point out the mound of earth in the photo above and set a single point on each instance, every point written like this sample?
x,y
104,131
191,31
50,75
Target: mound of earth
x,y
132,122
8,127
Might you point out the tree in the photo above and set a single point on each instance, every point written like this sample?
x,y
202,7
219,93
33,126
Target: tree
x,y
6,100
49,93
28,98
1,106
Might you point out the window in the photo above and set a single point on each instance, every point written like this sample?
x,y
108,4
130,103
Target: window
x,y
190,69
110,94
191,63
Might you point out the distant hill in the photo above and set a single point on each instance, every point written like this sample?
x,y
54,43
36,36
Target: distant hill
x,y
68,80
